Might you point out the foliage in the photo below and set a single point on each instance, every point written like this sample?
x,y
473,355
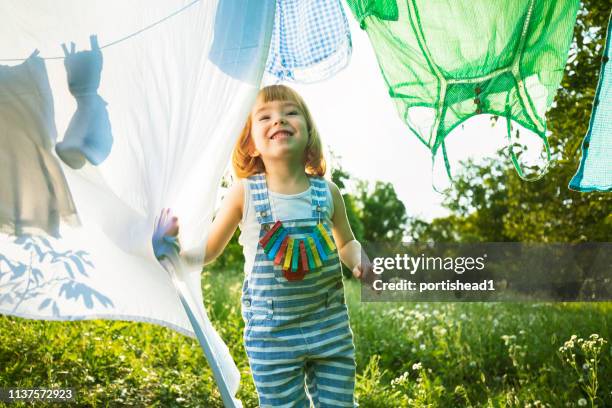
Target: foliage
x,y
375,213
232,256
584,356
383,214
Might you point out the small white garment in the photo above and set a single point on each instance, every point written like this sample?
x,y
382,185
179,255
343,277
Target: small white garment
x,y
89,135
34,194
180,77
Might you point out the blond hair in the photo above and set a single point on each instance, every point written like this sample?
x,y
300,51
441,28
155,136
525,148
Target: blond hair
x,y
245,164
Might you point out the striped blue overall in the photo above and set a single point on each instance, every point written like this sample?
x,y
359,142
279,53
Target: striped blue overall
x,y
297,332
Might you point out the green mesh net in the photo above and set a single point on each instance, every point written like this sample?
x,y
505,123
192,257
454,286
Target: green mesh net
x,y
595,171
445,61
383,9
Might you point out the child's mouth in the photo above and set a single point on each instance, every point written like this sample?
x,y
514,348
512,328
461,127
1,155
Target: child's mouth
x,y
283,134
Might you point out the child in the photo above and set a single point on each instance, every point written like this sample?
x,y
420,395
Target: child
x,y
297,326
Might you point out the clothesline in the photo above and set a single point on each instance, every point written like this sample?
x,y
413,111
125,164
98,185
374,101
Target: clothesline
x,y
120,39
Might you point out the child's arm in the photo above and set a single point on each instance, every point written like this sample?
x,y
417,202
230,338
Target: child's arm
x,y
225,223
349,248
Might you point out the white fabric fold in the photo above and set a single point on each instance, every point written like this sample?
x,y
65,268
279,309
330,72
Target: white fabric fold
x,y
179,78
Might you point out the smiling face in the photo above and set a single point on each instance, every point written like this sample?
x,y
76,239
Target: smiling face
x,y
279,130
279,127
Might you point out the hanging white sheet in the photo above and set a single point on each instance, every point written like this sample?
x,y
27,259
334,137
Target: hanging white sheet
x,y
179,77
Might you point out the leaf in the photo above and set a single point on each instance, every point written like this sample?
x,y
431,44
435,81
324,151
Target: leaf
x,y
103,299
44,303
55,309
67,288
46,242
79,265
68,269
87,299
18,270
88,294
37,274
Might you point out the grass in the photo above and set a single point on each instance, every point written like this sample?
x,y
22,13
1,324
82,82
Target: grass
x,y
408,355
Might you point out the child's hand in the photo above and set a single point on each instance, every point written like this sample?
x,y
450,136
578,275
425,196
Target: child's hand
x,y
165,236
364,272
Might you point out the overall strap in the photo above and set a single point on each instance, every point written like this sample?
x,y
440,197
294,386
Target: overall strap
x,y
259,197
320,206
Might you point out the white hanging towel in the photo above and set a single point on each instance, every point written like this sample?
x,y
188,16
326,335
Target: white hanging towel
x,y
179,77
34,194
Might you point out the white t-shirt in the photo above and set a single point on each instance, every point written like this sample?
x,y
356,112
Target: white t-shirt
x,y
284,207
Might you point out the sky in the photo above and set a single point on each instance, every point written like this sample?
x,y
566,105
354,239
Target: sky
x,y
358,121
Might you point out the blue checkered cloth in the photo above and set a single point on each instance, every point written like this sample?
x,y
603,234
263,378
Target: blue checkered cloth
x,y
595,171
310,42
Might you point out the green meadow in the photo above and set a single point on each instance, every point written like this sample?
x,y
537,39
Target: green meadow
x,y
408,355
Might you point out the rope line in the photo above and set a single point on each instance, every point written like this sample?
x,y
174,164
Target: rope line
x,y
123,38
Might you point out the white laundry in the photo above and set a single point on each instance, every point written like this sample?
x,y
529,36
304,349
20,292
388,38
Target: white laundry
x,y
34,194
88,136
179,84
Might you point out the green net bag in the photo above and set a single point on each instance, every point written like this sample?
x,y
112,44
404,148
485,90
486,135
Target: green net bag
x,y
445,61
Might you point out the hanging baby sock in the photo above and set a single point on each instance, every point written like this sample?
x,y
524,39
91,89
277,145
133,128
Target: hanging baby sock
x,y
88,136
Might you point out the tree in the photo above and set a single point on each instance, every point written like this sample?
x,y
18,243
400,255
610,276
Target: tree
x,y
383,214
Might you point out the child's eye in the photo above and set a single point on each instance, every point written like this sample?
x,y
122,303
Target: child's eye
x,y
293,112
264,117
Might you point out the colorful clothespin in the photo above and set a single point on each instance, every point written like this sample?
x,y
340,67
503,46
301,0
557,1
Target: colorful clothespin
x,y
264,240
289,254
323,232
314,251
319,246
278,259
278,240
296,256
304,257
